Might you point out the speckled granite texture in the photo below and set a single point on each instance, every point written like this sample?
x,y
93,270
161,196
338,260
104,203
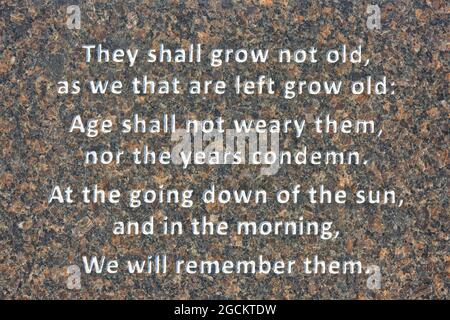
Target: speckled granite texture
x,y
38,241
